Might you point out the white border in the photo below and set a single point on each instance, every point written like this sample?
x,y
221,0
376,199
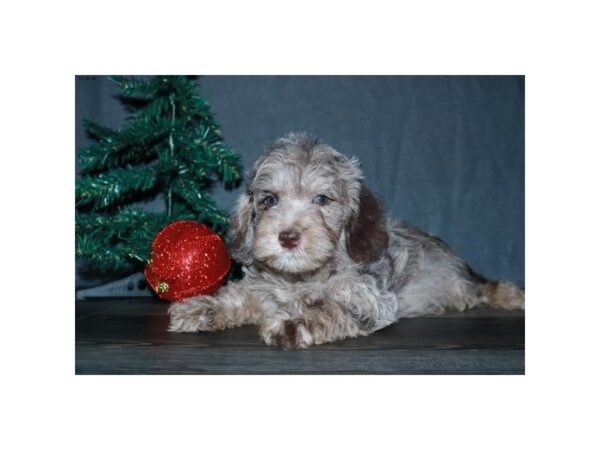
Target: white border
x,y
47,43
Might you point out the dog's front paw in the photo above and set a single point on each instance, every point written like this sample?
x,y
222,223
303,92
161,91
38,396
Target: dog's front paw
x,y
288,334
194,314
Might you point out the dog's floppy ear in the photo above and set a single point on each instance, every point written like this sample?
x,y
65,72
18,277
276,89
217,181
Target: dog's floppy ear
x,y
241,230
366,234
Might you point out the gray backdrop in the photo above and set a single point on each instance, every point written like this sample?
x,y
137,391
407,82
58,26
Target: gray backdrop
x,y
443,152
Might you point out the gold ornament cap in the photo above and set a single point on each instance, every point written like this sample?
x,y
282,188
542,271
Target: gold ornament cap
x,y
162,286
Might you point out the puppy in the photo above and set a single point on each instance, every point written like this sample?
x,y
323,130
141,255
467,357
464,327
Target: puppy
x,y
321,262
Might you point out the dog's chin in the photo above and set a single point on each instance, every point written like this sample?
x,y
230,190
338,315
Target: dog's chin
x,y
293,261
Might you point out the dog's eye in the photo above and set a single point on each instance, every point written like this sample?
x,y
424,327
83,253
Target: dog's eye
x,y
269,201
321,200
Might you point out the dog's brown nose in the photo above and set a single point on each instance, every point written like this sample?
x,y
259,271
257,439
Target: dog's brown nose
x,y
289,238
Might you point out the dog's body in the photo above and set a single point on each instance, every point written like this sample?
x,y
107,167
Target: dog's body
x,y
321,261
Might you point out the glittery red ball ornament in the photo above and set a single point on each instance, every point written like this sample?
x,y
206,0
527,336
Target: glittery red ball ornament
x,y
188,259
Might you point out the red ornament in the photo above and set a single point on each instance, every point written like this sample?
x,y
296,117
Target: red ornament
x,y
188,259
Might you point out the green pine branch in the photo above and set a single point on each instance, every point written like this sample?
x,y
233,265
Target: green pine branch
x,y
228,164
205,208
106,189
136,87
154,110
215,158
98,132
100,237
117,148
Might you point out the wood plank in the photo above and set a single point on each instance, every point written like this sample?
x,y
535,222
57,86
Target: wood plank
x,y
124,336
164,360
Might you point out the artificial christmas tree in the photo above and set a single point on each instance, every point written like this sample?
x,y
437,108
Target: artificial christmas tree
x,y
170,146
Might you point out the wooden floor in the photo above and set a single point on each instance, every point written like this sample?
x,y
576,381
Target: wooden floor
x,y
128,336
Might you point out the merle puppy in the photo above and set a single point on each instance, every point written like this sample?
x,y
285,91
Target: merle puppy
x,y
322,262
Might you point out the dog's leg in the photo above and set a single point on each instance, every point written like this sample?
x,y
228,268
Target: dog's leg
x,y
435,292
470,290
329,315
231,306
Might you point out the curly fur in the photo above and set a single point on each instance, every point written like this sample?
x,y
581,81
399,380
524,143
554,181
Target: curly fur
x,y
352,271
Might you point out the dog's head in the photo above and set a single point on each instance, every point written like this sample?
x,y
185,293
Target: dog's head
x,y
305,202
